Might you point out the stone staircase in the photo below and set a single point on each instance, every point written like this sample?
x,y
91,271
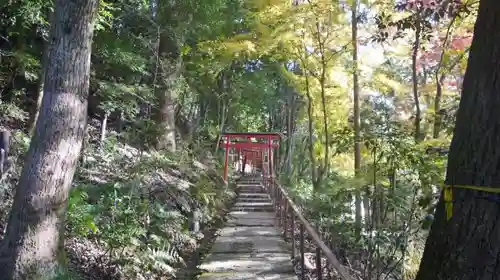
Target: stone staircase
x,y
250,246
252,197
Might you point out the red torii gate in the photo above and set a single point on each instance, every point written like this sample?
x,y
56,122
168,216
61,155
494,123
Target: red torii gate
x,y
270,140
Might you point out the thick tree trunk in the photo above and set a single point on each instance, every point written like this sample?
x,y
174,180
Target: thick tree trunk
x,y
169,71
32,246
468,246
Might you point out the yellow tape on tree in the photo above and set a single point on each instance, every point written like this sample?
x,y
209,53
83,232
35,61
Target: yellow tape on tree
x,y
448,201
448,195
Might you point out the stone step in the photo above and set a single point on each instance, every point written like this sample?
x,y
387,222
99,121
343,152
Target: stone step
x,y
253,199
244,266
249,222
250,215
257,190
244,275
248,184
251,219
256,194
252,209
238,231
253,206
249,244
248,195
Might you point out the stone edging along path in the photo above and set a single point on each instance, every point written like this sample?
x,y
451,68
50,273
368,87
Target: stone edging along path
x,y
208,236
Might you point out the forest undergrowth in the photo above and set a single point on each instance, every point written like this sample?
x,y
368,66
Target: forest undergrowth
x,y
130,213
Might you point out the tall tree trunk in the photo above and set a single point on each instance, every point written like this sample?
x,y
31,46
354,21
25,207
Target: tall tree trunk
x,y
222,122
467,246
289,132
322,81
437,106
41,82
326,159
169,72
32,247
416,99
439,79
357,127
310,126
104,128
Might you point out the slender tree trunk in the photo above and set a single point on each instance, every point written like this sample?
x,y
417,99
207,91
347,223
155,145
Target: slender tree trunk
x,y
357,127
119,127
222,123
437,106
326,159
310,125
289,131
202,111
468,245
416,99
32,247
41,82
439,79
104,128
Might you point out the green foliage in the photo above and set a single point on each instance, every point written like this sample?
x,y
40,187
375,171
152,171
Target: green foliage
x,y
142,220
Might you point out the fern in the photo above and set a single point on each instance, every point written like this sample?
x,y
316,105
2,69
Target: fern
x,y
164,259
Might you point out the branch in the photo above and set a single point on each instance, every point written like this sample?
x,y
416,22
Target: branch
x,y
445,44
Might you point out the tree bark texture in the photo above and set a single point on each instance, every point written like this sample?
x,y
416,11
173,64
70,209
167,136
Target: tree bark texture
x,y
468,246
32,247
169,71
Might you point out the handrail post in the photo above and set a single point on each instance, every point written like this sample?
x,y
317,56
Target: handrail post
x,y
319,271
278,202
284,206
285,221
302,260
293,234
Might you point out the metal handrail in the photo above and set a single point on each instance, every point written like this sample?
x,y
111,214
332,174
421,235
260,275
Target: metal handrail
x,y
284,205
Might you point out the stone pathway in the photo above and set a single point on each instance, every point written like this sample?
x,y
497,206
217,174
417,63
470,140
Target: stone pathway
x,y
250,246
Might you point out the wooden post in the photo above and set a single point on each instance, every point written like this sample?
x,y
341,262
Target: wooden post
x,y
226,161
270,156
